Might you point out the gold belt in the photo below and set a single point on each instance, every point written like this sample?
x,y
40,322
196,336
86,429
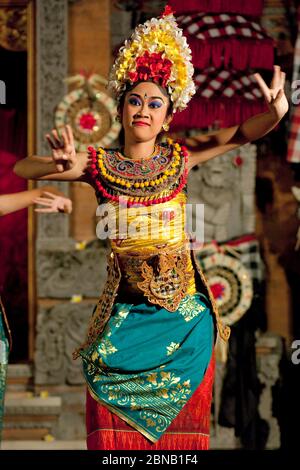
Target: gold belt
x,y
163,276
164,281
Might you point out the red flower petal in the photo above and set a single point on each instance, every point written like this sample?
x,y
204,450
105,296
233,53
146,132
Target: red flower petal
x,y
167,11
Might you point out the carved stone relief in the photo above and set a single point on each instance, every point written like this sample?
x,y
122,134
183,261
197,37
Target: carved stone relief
x,y
63,273
268,374
60,329
225,185
221,437
52,69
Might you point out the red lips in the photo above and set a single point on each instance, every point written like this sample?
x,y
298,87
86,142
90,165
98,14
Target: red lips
x,y
140,123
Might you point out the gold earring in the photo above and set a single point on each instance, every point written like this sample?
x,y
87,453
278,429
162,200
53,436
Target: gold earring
x,y
166,127
118,118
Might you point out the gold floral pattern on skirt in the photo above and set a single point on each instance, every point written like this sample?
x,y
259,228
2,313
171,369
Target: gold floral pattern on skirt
x,y
166,390
172,348
189,308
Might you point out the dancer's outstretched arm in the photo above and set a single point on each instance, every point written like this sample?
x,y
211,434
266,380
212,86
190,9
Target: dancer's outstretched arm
x,y
206,147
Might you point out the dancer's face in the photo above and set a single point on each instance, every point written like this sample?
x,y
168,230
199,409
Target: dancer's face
x,y
145,110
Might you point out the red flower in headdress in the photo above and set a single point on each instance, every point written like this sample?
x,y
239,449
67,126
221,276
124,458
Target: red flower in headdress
x,y
167,11
152,67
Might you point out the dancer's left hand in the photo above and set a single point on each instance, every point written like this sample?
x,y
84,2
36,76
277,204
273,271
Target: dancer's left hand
x,y
274,96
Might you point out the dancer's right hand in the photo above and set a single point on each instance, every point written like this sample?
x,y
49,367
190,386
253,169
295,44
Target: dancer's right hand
x,y
63,149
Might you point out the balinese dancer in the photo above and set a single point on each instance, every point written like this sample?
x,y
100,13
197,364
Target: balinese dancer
x,y
148,357
51,200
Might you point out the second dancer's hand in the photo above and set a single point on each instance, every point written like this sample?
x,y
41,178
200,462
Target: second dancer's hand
x,y
53,203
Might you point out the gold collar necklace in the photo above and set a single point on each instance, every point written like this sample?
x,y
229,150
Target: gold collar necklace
x,y
156,151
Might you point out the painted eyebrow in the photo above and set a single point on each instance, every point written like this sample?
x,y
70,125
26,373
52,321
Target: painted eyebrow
x,y
150,97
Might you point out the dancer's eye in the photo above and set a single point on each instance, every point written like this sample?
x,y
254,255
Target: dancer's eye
x,y
155,104
134,101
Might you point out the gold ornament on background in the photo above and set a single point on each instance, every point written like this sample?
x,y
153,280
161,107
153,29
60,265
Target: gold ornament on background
x,y
13,29
91,112
230,283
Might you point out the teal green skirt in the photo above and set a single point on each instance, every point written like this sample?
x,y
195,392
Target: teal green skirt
x,y
149,361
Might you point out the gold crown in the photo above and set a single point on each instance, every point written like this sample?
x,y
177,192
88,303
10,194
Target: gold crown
x,y
156,51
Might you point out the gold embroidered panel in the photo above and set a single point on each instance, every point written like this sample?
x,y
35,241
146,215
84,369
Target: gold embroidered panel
x,y
13,28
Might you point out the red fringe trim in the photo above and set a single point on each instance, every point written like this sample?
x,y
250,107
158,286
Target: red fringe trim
x,y
222,112
251,8
232,53
188,431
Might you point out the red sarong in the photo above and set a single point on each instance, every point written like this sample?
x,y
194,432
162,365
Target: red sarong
x,y
188,431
